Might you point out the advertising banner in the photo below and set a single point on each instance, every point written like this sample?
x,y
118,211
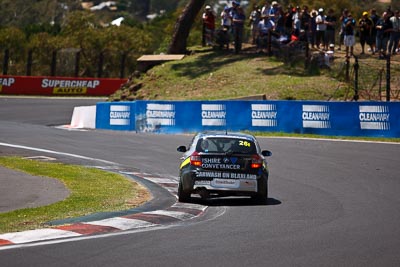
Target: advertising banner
x,y
58,86
115,116
374,119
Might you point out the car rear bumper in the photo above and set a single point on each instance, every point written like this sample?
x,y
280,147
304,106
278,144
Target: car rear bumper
x,y
191,183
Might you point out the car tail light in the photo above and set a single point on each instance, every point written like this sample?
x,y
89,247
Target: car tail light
x,y
256,162
195,159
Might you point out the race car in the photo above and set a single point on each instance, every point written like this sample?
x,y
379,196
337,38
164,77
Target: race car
x,y
219,164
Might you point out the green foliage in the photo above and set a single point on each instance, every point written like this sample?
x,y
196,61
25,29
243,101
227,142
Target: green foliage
x,y
12,38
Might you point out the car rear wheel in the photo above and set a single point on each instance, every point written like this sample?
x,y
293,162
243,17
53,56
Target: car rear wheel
x,y
182,195
262,196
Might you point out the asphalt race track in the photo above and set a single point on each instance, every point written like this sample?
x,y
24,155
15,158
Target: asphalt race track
x,y
332,203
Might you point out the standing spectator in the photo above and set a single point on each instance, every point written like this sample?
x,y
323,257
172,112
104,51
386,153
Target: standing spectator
x,y
265,27
273,10
265,10
254,19
348,39
313,28
330,29
280,21
321,28
345,12
395,33
238,19
209,25
365,25
226,21
289,20
383,27
296,22
374,17
305,19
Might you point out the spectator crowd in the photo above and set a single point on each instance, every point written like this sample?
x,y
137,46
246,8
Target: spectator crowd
x,y
322,29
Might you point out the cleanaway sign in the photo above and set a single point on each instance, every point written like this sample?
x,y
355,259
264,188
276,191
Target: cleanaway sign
x,y
375,119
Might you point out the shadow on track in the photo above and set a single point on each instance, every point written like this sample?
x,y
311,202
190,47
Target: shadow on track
x,y
233,201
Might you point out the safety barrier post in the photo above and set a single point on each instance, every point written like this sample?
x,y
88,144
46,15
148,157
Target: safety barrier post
x,y
307,55
100,67
269,45
122,70
6,61
347,63
77,63
356,67
388,78
53,65
29,63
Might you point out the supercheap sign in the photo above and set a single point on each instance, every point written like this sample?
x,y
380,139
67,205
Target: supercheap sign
x,y
41,85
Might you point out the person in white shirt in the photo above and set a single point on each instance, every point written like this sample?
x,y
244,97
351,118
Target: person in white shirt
x,y
320,20
265,27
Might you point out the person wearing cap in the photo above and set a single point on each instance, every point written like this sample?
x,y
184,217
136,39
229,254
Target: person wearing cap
x,y
270,11
273,11
238,19
209,25
349,39
320,20
365,25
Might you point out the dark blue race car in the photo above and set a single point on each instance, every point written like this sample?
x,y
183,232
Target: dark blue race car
x,y
223,164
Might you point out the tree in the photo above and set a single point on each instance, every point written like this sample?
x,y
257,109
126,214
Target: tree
x,y
183,26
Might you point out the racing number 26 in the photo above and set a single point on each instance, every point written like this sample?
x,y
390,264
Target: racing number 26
x,y
244,143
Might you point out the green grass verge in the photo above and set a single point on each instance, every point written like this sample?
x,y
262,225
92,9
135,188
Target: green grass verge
x,y
211,74
91,191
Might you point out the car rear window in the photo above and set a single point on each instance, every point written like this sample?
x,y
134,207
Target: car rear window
x,y
225,145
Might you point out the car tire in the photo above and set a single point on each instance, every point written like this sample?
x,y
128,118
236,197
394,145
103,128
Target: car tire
x,y
262,197
182,195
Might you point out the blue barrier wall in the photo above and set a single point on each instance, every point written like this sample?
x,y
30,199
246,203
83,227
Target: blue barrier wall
x,y
375,119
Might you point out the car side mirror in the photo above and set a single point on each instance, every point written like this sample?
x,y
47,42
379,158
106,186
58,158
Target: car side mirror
x,y
266,153
181,149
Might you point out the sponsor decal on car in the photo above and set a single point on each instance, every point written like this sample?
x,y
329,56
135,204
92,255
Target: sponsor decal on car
x,y
374,118
225,175
202,182
218,163
225,183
